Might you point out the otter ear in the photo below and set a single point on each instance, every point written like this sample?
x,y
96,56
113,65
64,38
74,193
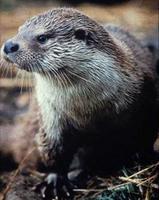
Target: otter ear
x,y
82,34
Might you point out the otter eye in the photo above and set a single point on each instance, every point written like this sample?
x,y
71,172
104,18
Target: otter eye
x,y
42,39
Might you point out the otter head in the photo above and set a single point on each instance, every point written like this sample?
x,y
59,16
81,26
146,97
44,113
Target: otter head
x,y
52,42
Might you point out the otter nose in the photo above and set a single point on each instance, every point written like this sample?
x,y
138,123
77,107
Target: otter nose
x,y
10,47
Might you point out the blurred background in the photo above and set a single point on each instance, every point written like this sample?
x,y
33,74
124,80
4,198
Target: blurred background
x,y
140,17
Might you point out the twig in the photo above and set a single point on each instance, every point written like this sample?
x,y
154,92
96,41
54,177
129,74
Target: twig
x,y
136,181
140,182
88,190
144,170
5,191
149,179
101,190
116,187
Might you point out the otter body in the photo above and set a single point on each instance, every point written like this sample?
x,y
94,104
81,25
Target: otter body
x,y
94,90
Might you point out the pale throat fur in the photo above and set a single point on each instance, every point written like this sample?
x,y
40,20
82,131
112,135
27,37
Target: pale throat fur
x,y
80,101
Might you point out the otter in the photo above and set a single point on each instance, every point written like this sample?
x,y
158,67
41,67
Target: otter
x,y
94,90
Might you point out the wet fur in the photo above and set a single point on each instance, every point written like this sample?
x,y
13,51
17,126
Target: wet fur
x,y
96,96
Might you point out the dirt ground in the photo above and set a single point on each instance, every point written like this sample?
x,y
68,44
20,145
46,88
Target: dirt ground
x,y
16,184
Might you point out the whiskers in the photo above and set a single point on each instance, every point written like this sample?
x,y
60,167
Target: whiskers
x,y
64,78
23,80
78,76
52,74
61,75
19,78
5,68
26,81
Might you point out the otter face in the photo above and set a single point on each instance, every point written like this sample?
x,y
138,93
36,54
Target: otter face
x,y
51,42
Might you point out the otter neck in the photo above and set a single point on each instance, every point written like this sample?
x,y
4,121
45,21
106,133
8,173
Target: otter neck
x,y
104,82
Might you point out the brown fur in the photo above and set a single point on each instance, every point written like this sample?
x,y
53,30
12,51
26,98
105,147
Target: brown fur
x,y
113,111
